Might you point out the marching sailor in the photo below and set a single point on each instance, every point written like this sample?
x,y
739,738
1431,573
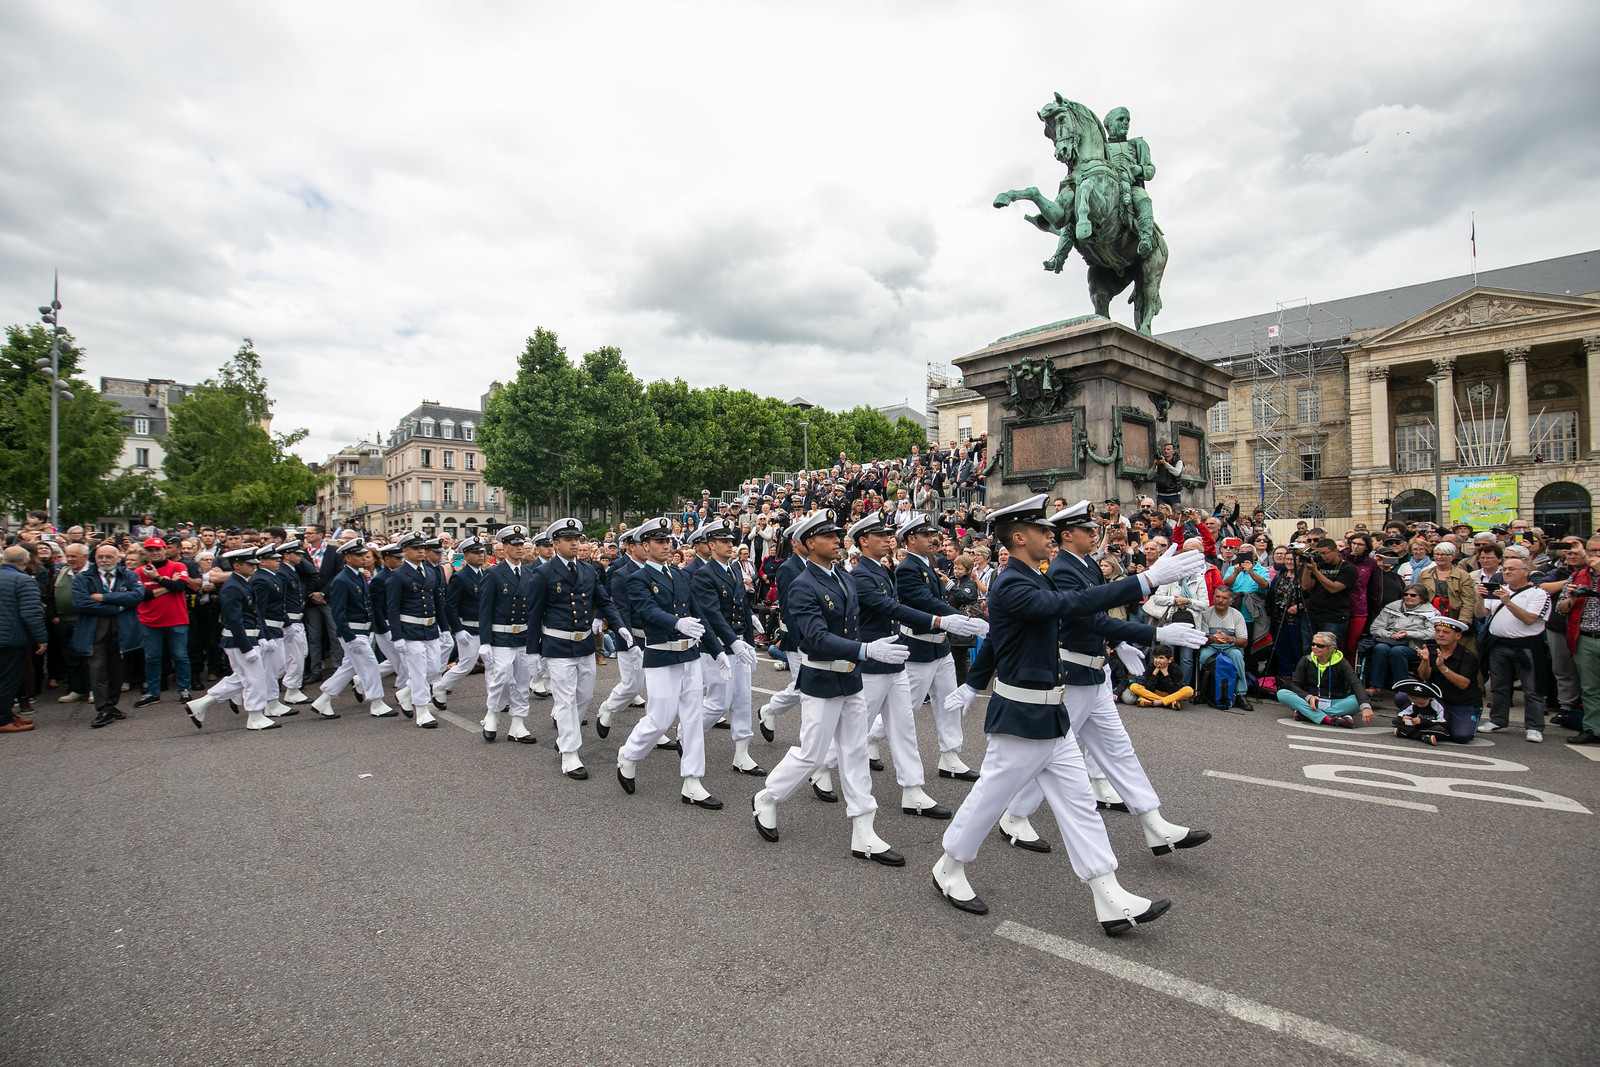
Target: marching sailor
x,y
294,629
241,642
702,550
673,636
826,620
503,636
885,687
268,593
724,607
1091,705
931,670
629,690
388,560
462,599
538,673
445,643
354,607
1029,733
413,597
566,603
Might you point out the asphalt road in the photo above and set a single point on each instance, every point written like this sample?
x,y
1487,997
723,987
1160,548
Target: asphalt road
x,y
219,896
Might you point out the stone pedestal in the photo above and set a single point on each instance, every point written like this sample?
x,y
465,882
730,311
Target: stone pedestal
x,y
1091,425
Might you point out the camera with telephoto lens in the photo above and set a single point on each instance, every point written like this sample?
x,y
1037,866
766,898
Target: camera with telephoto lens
x,y
1578,592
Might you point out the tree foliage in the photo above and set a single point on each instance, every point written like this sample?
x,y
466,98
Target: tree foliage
x,y
90,434
531,426
223,464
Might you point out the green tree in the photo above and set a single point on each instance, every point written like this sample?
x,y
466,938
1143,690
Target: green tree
x,y
619,455
538,413
223,464
90,434
688,447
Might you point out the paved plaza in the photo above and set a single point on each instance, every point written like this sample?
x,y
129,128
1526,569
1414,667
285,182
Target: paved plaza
x,y
361,891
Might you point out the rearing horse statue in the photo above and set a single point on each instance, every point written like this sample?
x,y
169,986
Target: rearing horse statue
x,y
1094,211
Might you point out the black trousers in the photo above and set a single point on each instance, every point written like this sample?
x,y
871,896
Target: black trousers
x,y
105,666
11,664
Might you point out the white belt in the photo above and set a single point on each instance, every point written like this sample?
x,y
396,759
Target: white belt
x,y
507,628
418,620
1094,663
565,635
272,624
295,618
1030,696
673,646
838,666
930,638
362,626
247,633
469,624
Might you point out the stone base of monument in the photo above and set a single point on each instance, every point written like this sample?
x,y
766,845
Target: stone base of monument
x,y
1080,409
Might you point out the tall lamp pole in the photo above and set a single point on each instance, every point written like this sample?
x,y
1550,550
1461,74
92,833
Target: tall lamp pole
x,y
1438,492
805,436
58,392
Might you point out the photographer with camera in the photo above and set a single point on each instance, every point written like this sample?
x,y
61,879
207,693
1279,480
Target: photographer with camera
x,y
1248,579
1169,478
1325,582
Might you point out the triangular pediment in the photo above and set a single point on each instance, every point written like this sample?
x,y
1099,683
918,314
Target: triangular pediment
x,y
1483,308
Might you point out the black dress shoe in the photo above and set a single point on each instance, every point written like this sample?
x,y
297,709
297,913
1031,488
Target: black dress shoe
x,y
709,803
488,737
938,811
875,764
233,707
437,705
116,713
331,715
768,734
407,712
527,740
105,718
1118,806
601,729
434,725
975,905
1190,840
825,794
629,784
288,711
757,771
1117,927
578,774
888,857
723,725
770,835
960,776
146,700
670,746
391,713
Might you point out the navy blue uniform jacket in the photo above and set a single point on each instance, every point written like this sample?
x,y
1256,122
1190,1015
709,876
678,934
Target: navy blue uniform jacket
x,y
660,598
503,601
268,592
881,611
1089,634
792,565
412,589
617,576
827,622
722,602
241,626
921,587
350,601
462,598
567,596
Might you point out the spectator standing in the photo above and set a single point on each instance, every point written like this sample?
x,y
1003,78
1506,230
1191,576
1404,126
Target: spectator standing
x,y
67,622
22,633
1366,594
1326,583
1582,607
1169,478
107,599
164,615
1516,611
1450,587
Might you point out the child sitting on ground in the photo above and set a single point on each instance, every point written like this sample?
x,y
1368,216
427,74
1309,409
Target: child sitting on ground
x,y
1162,686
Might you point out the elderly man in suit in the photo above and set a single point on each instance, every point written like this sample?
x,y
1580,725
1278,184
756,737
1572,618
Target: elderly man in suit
x,y
107,600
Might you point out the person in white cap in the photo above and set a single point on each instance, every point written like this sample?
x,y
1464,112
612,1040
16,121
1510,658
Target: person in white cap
x,y
294,627
503,636
241,642
461,601
723,606
566,603
827,621
413,596
353,609
540,552
1030,735
1091,705
629,690
674,635
931,671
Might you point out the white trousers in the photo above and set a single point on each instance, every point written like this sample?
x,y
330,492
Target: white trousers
x,y
444,647
938,678
630,665
358,662
1011,763
505,673
571,689
414,668
671,692
789,696
889,695
248,681
271,663
1108,751
824,720
294,655
730,698
466,659
391,659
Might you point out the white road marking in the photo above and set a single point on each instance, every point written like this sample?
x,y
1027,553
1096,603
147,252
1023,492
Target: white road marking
x,y
1320,791
1477,742
1323,1036
775,692
1586,751
1438,757
455,720
1470,788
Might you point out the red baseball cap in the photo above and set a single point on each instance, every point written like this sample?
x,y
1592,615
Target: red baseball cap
x,y
154,542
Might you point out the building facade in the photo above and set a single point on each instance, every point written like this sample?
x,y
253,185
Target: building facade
x,y
433,475
146,405
358,490
960,415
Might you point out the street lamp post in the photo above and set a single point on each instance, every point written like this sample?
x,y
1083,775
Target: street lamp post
x,y
805,437
51,317
1443,511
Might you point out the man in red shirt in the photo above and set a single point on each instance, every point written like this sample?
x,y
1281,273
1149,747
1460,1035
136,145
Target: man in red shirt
x,y
164,615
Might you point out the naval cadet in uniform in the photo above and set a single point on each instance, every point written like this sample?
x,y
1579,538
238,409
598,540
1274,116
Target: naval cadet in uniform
x,y
931,671
724,607
629,690
354,608
461,603
503,636
241,643
413,596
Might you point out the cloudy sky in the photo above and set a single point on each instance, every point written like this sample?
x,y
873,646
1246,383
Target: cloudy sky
x,y
792,198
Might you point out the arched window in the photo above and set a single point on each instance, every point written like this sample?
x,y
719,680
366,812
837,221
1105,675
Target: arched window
x,y
1415,505
1562,508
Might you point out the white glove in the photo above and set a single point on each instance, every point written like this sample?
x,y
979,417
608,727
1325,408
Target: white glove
x,y
1131,658
486,654
626,636
743,652
755,627
887,650
594,627
459,635
964,625
1182,634
693,629
1174,566
724,667
961,699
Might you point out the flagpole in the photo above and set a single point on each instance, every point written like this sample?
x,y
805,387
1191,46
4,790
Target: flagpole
x,y
1473,216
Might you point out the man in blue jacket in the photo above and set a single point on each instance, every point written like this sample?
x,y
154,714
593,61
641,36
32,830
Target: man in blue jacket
x,y
22,632
931,671
107,600
503,636
461,600
1030,735
792,566
353,609
241,641
629,690
414,596
719,594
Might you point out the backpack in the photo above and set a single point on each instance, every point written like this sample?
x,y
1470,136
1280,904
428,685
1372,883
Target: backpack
x,y
1224,681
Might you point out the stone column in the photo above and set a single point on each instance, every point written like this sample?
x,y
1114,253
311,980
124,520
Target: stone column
x,y
1446,394
1591,349
1517,377
1378,379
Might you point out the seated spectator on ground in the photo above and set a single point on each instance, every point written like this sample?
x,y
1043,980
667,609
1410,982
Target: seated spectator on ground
x,y
1161,685
1400,629
1452,669
1181,601
1324,687
1229,635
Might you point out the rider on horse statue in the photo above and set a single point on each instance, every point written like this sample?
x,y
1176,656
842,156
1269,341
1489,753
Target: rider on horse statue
x,y
1131,159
